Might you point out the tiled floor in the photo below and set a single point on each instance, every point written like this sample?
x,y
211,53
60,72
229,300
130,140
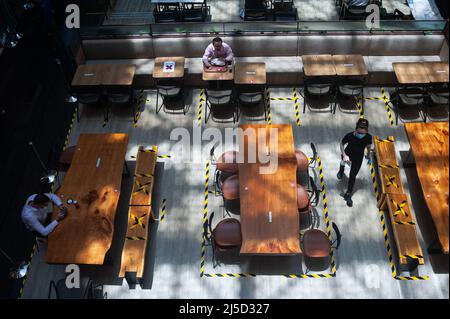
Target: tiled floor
x,y
173,261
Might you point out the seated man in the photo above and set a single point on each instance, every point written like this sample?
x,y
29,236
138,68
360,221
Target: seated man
x,y
37,219
217,49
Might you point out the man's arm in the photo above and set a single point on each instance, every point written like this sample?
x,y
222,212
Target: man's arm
x,y
56,200
206,56
38,227
229,53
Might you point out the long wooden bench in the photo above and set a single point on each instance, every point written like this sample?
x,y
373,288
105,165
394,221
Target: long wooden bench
x,y
140,214
394,201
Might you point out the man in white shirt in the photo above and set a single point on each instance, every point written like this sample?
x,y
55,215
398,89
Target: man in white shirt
x,y
217,49
36,217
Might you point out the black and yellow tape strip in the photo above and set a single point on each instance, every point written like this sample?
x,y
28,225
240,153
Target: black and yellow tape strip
x,y
388,246
390,139
374,182
201,103
135,238
138,221
404,223
297,112
281,99
141,187
388,108
140,105
144,175
390,180
164,156
205,220
359,107
163,210
400,207
24,279
269,115
388,166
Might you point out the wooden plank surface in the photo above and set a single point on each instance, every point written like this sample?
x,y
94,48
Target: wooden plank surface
x,y
385,151
405,235
143,177
158,69
133,253
350,64
218,76
88,75
94,180
118,74
437,71
410,73
429,144
390,180
264,193
250,73
318,65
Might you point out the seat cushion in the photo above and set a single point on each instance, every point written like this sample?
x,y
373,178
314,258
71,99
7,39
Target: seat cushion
x,y
316,244
411,99
227,162
441,98
230,188
227,233
302,161
169,92
318,89
250,98
350,90
302,198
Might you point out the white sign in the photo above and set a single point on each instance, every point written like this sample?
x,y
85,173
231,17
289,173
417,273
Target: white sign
x,y
169,67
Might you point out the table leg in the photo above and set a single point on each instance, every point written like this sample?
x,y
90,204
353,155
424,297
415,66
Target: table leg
x,y
434,248
131,279
409,161
127,169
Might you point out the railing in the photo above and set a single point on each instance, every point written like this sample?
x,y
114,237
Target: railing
x,y
267,27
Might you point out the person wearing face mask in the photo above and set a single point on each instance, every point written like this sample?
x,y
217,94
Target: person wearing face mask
x,y
353,146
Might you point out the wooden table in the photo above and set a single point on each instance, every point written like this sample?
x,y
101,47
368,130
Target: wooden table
x,y
318,65
411,73
177,72
350,65
218,76
264,193
104,74
429,145
250,73
93,179
437,71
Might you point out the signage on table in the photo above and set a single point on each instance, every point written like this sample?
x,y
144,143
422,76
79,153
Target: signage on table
x,y
169,67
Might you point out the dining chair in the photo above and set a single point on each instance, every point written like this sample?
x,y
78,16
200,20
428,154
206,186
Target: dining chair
x,y
350,91
318,94
252,102
437,103
121,96
65,158
221,105
408,103
225,237
172,95
230,190
87,290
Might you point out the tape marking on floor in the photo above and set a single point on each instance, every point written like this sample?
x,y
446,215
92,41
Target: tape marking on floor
x,y
200,106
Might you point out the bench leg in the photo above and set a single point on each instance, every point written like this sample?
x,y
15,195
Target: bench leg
x,y
127,169
434,248
409,161
131,279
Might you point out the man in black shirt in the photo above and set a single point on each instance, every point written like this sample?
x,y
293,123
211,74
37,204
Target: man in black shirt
x,y
353,146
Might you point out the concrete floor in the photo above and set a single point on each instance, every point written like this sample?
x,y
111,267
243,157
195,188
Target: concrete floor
x,y
173,259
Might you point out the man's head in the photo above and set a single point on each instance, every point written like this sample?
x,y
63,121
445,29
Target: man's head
x,y
362,126
41,200
217,43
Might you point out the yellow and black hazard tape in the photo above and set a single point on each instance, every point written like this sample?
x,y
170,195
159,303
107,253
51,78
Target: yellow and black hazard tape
x,y
164,156
412,256
205,220
163,210
66,141
281,99
400,207
388,166
144,175
373,99
269,115
386,241
390,139
141,187
374,182
138,221
297,112
135,238
200,106
388,108
359,107
391,180
404,223
142,98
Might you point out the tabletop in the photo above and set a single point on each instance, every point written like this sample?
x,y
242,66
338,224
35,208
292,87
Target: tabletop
x,y
218,76
429,145
437,71
104,74
250,73
350,64
410,73
94,180
318,65
168,67
269,215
